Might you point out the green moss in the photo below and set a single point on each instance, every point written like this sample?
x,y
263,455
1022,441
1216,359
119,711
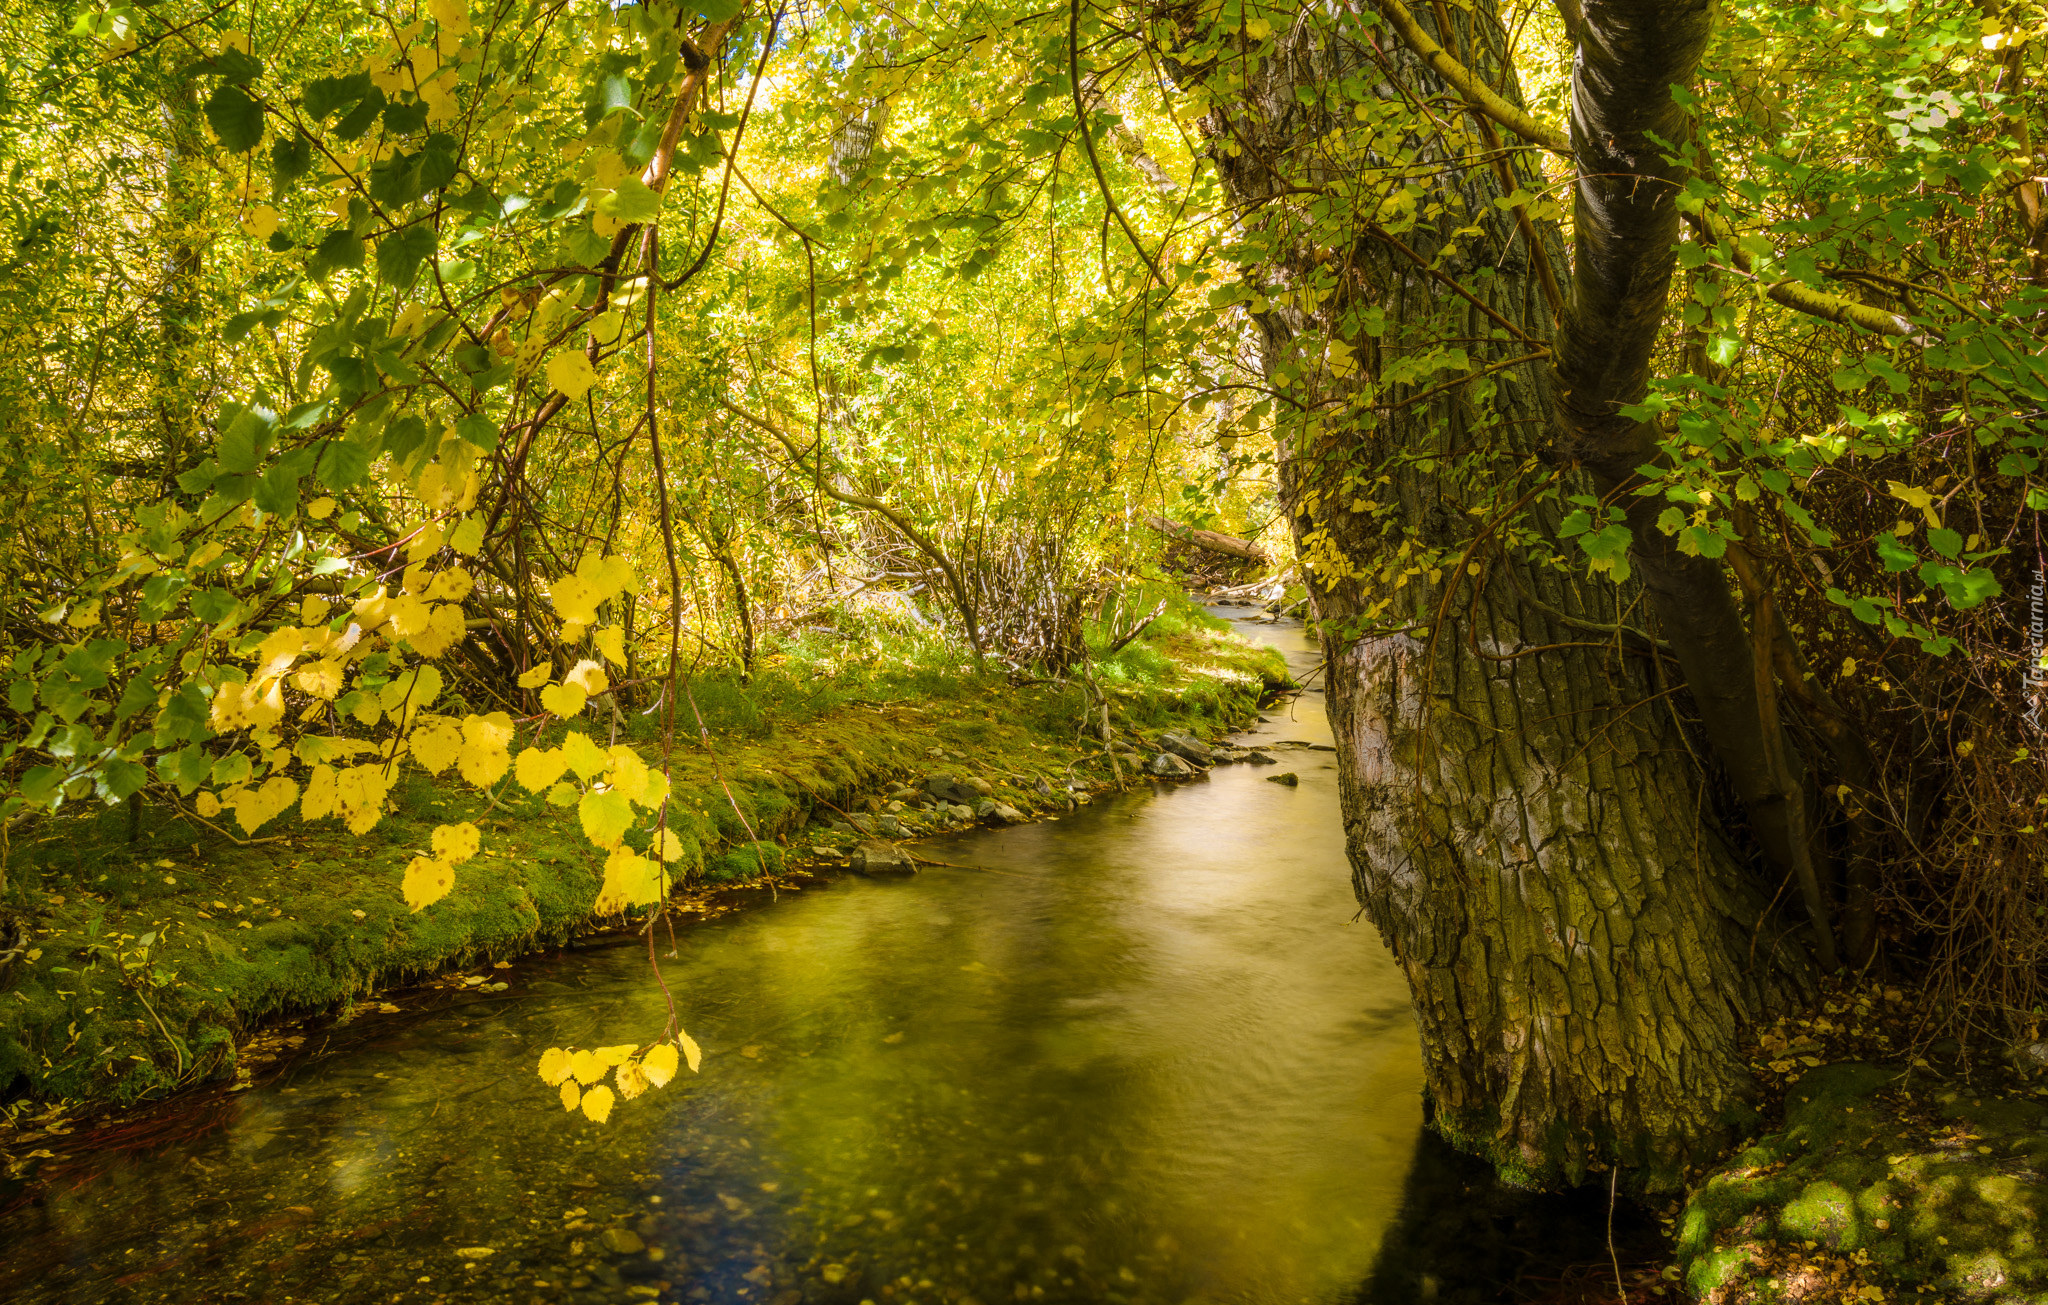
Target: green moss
x,y
1950,1211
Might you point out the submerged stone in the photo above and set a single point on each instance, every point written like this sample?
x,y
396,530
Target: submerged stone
x,y
881,860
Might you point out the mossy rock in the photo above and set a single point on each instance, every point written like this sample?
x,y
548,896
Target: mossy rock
x,y
1953,1212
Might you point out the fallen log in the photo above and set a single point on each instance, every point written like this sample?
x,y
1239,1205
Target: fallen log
x,y
1209,540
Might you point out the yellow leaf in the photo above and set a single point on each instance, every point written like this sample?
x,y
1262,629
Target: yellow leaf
x,y
445,629
255,807
320,794
562,795
609,1056
628,773
322,679
671,847
436,744
85,614
575,598
606,817
427,881
314,611
597,1104
629,880
611,641
457,843
359,796
485,758
631,1080
554,1066
692,1053
207,805
571,1094
589,677
539,768
409,615
320,508
260,222
584,1065
1915,497
468,537
656,791
562,700
451,586
659,1064
571,373
538,676
583,756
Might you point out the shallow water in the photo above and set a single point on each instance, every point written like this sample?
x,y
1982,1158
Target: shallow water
x,y
1142,1053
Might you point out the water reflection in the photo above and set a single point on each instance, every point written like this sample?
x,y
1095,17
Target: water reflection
x,y
1141,1054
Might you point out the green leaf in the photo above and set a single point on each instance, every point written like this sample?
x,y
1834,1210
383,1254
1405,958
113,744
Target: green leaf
x,y
632,202
1945,541
291,157
247,439
235,118
343,464
338,249
479,430
120,778
400,254
325,96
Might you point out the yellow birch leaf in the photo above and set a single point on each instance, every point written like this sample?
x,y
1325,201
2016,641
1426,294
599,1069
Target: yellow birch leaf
x,y
571,373
322,679
207,805
606,817
538,676
609,1056
468,537
320,794
656,791
584,1065
692,1053
562,795
575,598
628,772
314,611
584,757
485,757
629,880
588,676
539,768
611,641
659,1064
457,843
571,1094
445,629
563,700
320,508
671,846
554,1066
631,1080
427,881
436,744
451,586
597,1104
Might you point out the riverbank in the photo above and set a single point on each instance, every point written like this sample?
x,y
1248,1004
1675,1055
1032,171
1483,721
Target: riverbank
x,y
147,963
1896,1177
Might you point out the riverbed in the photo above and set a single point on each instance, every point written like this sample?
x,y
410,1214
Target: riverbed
x,y
1142,1053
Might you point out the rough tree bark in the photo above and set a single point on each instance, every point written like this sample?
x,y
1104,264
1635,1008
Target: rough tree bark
x,y
1526,824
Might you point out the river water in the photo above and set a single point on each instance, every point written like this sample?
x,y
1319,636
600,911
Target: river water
x,y
1140,1054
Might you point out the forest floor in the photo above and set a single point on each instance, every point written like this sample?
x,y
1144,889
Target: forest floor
x,y
1891,1171
155,963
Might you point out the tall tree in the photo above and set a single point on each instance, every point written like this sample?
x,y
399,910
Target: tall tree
x,y
1527,826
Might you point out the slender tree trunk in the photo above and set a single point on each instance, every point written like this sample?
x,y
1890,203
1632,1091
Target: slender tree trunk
x,y
1526,822
178,305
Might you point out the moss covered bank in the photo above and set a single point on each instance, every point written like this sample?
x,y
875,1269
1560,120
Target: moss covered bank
x,y
150,952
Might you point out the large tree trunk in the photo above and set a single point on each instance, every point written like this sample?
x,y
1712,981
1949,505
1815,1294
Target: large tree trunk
x,y
1526,824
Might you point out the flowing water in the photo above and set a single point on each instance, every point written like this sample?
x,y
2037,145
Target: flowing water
x,y
1143,1053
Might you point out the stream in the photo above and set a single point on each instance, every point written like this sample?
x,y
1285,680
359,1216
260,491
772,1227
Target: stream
x,y
1143,1053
